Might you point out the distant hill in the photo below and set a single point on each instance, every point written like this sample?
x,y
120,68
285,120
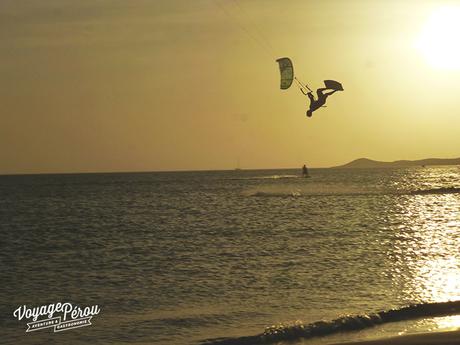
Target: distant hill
x,y
369,163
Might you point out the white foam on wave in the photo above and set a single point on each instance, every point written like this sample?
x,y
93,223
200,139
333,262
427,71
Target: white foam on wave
x,y
307,190
269,177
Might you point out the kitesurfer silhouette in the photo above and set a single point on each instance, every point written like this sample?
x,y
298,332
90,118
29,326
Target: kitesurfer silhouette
x,y
317,103
287,77
304,171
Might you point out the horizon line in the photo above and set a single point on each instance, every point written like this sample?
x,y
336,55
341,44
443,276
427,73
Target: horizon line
x,y
156,171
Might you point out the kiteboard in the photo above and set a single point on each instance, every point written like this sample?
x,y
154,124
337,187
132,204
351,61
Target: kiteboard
x,y
333,85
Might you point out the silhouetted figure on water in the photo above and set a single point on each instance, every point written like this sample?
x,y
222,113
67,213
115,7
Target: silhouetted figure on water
x,y
304,171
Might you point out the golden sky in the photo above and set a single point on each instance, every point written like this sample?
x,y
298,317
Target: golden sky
x,y
143,85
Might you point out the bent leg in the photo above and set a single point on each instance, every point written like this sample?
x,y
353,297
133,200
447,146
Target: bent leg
x,y
330,93
319,92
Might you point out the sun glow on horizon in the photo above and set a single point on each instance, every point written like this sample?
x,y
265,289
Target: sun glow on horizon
x,y
439,40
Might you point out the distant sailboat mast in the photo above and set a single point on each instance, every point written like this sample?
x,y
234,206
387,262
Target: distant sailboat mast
x,y
238,167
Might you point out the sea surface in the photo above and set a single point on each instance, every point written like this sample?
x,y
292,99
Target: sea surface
x,y
194,257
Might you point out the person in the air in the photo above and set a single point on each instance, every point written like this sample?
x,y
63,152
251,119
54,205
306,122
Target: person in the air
x,y
317,103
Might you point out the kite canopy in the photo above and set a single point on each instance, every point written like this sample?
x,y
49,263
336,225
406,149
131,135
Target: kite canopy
x,y
287,72
334,85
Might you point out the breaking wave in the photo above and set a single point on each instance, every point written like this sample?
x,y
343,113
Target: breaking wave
x,y
442,190
346,323
311,190
269,177
317,190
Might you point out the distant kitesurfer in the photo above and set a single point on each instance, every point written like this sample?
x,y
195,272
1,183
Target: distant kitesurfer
x,y
304,171
317,103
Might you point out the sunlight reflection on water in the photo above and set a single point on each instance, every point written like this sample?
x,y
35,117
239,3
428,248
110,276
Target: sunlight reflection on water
x,y
426,259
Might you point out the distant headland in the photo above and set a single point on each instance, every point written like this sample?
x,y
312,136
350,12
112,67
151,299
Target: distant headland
x,y
369,163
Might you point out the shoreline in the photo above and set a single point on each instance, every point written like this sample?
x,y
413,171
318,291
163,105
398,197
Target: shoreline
x,y
451,337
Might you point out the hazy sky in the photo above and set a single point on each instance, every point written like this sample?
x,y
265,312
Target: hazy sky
x,y
137,85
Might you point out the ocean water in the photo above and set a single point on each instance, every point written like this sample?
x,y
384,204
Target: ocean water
x,y
194,257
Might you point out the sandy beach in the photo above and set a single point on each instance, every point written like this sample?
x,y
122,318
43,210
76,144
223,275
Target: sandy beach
x,y
433,338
